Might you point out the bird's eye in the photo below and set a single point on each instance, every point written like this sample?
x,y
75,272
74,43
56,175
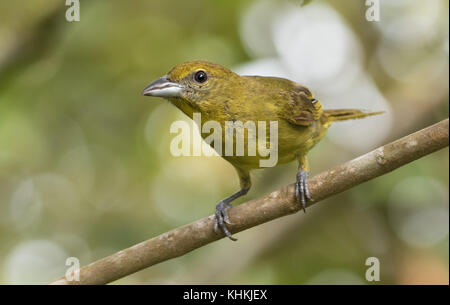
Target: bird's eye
x,y
200,76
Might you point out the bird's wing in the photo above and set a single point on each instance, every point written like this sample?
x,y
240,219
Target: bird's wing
x,y
302,108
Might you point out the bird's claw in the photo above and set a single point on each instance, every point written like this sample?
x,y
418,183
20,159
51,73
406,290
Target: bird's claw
x,y
221,218
301,189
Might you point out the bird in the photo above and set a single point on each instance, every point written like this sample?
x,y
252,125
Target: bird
x,y
221,95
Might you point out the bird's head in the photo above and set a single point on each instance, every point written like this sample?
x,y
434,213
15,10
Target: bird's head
x,y
194,84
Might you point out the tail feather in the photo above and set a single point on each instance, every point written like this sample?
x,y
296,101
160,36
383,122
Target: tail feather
x,y
347,114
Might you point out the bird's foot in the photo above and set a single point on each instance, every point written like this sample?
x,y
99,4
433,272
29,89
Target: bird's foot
x,y
301,189
221,218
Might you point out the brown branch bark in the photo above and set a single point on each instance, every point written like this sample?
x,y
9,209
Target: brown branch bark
x,y
276,204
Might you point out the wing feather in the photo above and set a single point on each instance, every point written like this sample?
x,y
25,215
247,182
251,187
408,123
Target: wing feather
x,y
302,109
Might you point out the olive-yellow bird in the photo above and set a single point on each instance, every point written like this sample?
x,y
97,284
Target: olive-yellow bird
x,y
222,95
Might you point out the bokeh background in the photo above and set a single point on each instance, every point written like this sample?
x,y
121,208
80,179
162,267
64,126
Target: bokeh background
x,y
85,166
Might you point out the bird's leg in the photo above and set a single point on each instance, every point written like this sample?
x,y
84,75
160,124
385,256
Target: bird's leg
x,y
301,186
221,215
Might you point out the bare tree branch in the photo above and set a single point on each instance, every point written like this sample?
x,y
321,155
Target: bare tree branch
x,y
276,204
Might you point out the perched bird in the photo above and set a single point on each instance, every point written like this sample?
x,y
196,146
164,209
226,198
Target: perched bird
x,y
222,95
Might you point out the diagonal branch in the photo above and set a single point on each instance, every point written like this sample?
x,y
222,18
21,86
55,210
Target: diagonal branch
x,y
276,204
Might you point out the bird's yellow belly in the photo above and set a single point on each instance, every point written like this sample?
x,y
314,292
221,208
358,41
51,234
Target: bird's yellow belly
x,y
293,142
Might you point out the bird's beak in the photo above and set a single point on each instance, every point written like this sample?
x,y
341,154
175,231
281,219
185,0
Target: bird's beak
x,y
162,87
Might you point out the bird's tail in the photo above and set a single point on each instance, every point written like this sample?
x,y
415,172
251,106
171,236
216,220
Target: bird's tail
x,y
333,115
